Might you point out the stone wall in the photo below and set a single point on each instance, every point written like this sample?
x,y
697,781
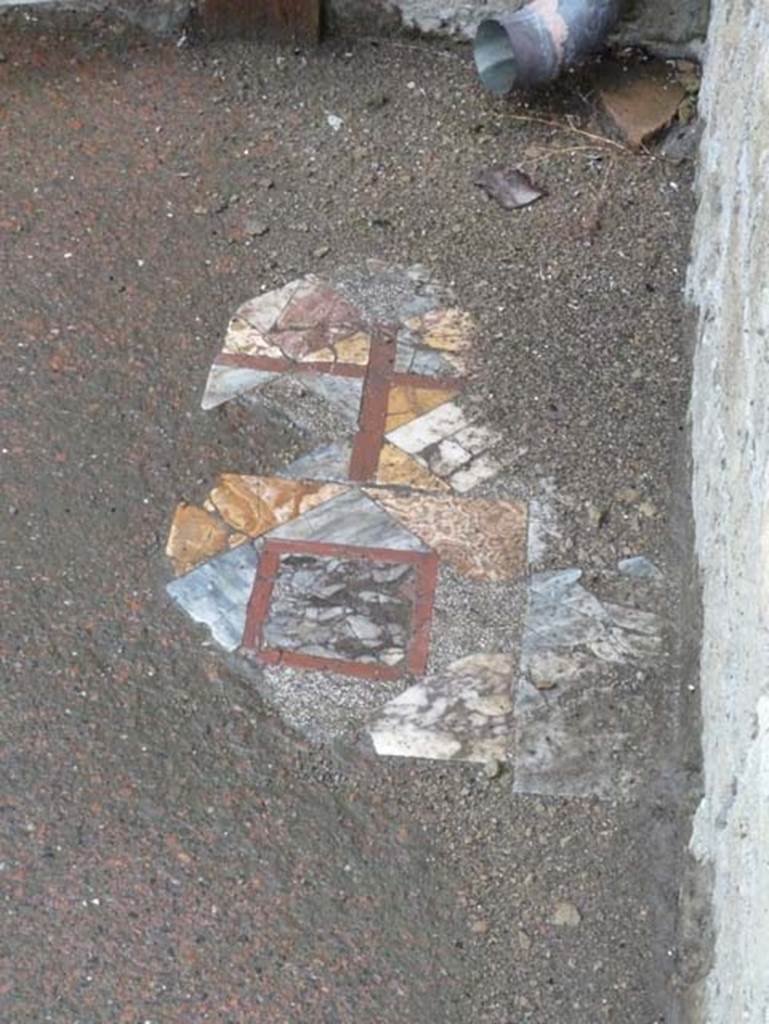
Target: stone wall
x,y
668,26
674,26
729,282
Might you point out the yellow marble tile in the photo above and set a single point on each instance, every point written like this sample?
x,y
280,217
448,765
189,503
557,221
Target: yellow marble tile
x,y
354,349
396,467
195,535
245,339
450,330
256,504
405,403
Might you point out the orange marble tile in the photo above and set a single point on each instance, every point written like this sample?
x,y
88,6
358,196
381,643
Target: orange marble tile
x,y
256,504
195,535
397,468
406,402
450,330
481,539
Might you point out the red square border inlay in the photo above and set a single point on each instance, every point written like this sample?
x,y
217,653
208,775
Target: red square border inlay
x,y
415,661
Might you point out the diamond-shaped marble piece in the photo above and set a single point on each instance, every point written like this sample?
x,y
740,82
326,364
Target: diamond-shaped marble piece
x,y
397,468
226,382
406,402
447,457
429,429
217,593
194,536
461,714
351,519
256,504
483,467
481,538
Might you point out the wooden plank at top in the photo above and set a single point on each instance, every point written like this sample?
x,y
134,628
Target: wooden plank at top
x,y
277,20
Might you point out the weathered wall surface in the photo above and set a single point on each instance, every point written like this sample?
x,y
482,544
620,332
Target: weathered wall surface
x,y
675,26
729,281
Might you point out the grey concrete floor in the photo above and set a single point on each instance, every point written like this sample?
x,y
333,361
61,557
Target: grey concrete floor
x,y
171,851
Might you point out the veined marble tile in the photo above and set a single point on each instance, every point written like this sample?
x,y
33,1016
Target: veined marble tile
x,y
406,402
429,429
573,737
195,535
461,714
344,609
481,539
226,382
399,469
217,593
256,504
330,462
351,518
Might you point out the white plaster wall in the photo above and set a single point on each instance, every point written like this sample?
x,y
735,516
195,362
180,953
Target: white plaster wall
x,y
729,282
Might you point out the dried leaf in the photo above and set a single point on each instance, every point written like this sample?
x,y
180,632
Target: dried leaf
x,y
510,187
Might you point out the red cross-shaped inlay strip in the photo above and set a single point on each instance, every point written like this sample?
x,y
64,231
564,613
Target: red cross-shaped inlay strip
x,y
379,376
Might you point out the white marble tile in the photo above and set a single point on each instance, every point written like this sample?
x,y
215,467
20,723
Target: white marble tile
x,y
483,467
434,426
461,714
226,382
447,458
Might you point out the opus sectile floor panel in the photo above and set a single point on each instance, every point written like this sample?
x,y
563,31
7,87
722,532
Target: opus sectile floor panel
x,y
349,571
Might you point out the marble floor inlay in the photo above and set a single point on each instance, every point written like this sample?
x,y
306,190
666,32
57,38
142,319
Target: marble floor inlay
x,y
373,561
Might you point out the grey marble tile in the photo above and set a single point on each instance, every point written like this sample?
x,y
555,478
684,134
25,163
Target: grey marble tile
x,y
461,714
217,593
350,518
226,382
330,462
432,364
343,394
572,737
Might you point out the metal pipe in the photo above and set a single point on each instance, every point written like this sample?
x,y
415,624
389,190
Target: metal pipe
x,y
532,45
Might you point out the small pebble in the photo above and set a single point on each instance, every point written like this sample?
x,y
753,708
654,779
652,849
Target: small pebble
x,y
321,251
565,915
256,228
